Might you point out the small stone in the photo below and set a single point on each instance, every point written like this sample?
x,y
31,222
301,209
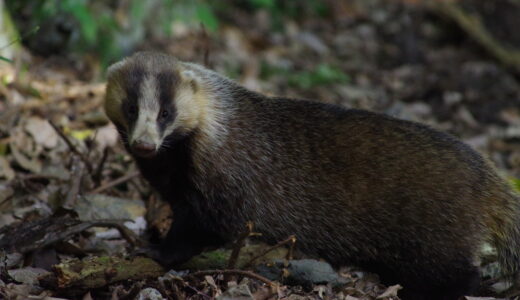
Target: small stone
x,y
149,294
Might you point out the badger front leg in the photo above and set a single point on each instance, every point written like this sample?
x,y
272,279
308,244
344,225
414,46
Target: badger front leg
x,y
186,238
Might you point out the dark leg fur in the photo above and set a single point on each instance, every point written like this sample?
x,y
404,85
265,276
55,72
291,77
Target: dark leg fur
x,y
186,237
463,283
454,291
168,174
451,282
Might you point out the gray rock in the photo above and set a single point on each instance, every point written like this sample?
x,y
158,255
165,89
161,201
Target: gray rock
x,y
149,294
304,272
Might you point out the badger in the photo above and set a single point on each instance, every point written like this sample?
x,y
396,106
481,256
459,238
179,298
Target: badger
x,y
394,197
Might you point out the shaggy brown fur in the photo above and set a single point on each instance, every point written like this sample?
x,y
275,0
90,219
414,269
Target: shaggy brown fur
x,y
355,187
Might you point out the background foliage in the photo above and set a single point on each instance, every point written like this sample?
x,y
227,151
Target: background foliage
x,y
109,29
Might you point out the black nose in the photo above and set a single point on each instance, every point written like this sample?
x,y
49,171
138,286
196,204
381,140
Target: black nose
x,y
143,149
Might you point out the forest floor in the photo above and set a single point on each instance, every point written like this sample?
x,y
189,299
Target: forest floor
x,y
67,185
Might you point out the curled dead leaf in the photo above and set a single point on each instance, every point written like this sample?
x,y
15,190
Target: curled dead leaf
x,y
391,291
106,136
5,169
42,132
31,164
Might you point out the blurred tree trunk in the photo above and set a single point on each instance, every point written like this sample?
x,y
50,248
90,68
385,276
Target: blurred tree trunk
x,y
8,34
492,24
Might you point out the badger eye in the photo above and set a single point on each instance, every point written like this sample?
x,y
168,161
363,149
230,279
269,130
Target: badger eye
x,y
164,113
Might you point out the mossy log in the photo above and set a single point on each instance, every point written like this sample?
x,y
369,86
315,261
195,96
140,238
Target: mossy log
x,y
95,272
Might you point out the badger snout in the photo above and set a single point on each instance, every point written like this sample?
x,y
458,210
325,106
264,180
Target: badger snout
x,y
144,149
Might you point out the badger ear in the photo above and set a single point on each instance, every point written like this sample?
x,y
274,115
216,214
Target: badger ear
x,y
189,77
114,68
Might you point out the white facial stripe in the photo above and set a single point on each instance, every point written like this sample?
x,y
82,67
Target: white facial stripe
x,y
194,109
145,129
149,94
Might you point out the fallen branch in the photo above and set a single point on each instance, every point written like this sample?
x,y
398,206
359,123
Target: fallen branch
x,y
114,182
90,144
239,244
72,147
233,272
125,232
37,234
96,272
290,240
99,169
75,184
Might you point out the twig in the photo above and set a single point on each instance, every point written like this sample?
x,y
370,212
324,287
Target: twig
x,y
176,292
239,244
234,272
114,182
90,142
33,176
172,286
8,199
72,147
205,45
57,229
96,176
205,296
22,38
75,185
161,287
125,232
290,240
127,295
473,26
4,275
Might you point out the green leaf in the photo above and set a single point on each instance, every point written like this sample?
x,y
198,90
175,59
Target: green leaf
x,y
323,74
207,17
25,35
137,11
269,4
5,59
87,23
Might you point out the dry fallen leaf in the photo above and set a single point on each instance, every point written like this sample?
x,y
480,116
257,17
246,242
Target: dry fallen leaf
x,y
106,136
391,291
30,164
5,169
42,132
27,275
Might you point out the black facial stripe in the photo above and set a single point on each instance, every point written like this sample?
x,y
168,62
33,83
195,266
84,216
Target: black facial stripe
x,y
166,82
130,105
